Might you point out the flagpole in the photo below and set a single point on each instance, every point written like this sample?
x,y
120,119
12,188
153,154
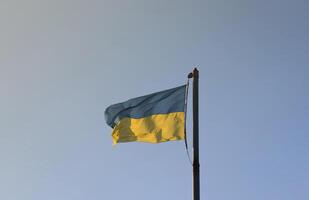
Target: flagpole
x,y
196,162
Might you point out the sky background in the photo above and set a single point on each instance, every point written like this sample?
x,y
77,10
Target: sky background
x,y
62,62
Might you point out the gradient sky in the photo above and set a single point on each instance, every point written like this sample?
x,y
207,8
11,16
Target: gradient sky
x,y
62,62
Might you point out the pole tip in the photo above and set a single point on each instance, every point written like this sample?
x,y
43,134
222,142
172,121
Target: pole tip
x,y
195,72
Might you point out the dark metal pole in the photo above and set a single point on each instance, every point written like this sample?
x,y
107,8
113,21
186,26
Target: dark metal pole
x,y
196,162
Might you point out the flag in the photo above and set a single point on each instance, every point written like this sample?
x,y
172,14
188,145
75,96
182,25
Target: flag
x,y
154,118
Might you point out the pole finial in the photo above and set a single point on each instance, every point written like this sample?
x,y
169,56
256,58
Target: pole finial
x,y
195,72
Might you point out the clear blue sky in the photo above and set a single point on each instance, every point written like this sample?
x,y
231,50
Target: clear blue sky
x,y
62,62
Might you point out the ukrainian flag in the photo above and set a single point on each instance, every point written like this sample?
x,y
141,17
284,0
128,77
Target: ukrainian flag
x,y
154,118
